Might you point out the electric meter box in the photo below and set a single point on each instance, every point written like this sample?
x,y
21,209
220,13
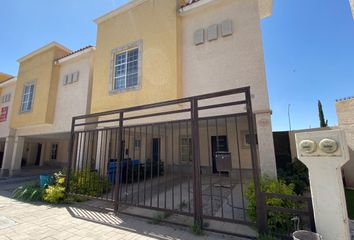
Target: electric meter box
x,y
321,144
223,161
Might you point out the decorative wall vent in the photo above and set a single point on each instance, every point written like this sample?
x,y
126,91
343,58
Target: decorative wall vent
x,y
224,29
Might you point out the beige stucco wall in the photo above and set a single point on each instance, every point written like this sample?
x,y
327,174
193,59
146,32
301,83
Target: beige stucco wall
x,y
8,88
155,24
345,115
71,99
31,147
41,69
229,62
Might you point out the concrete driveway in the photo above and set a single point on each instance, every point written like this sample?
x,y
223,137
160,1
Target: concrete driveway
x,y
19,220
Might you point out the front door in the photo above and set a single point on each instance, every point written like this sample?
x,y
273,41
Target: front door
x,y
38,155
218,144
155,149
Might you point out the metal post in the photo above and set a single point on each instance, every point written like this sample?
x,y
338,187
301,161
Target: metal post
x,y
198,205
70,154
119,161
260,198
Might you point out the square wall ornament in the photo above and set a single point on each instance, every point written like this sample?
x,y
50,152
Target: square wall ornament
x,y
199,37
226,28
212,32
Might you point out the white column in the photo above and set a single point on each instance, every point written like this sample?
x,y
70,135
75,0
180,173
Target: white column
x,y
324,153
17,155
100,150
8,151
266,145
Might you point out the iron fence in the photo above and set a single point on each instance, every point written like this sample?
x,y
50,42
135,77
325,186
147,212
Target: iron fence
x,y
193,157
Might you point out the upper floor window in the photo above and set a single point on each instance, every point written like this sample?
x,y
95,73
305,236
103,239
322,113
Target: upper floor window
x,y
126,64
27,97
71,78
6,98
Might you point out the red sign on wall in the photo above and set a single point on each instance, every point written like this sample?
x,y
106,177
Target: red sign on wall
x,y
3,114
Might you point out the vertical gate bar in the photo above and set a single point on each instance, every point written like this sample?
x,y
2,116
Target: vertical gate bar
x,y
145,167
173,168
119,146
189,187
152,163
77,156
198,204
211,170
74,164
121,154
113,137
87,171
70,157
230,178
107,141
140,142
82,157
126,149
158,165
164,166
260,201
240,170
133,166
219,172
101,191
180,170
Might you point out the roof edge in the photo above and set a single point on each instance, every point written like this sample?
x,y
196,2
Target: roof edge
x,y
119,10
75,54
42,49
8,81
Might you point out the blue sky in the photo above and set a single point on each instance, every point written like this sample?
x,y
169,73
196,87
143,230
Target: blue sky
x,y
308,46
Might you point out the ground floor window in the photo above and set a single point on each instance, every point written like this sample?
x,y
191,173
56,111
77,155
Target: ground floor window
x,y
54,151
185,146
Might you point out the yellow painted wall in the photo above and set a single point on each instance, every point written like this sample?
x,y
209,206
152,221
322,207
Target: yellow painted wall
x,y
156,23
39,68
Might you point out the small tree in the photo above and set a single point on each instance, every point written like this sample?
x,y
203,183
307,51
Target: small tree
x,y
323,122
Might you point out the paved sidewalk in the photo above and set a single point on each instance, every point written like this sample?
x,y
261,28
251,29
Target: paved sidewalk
x,y
20,220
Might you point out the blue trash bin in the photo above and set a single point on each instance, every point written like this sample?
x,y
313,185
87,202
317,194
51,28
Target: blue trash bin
x,y
45,180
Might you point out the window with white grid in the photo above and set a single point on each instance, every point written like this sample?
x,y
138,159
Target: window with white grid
x,y
126,69
27,97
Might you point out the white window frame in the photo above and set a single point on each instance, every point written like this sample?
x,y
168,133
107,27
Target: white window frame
x,y
185,156
6,98
28,84
71,78
125,49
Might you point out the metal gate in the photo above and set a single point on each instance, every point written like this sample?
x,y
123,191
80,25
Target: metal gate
x,y
192,157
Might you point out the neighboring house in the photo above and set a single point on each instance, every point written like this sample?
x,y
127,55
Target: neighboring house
x,y
148,51
7,92
345,115
53,85
351,2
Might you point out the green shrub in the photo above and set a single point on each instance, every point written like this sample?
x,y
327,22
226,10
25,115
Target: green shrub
x,y
30,192
277,221
88,182
296,173
55,193
197,228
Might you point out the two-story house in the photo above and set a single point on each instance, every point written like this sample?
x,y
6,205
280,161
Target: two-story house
x,y
53,85
151,51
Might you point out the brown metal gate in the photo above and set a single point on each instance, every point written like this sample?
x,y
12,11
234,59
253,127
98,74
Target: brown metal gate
x,y
192,157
